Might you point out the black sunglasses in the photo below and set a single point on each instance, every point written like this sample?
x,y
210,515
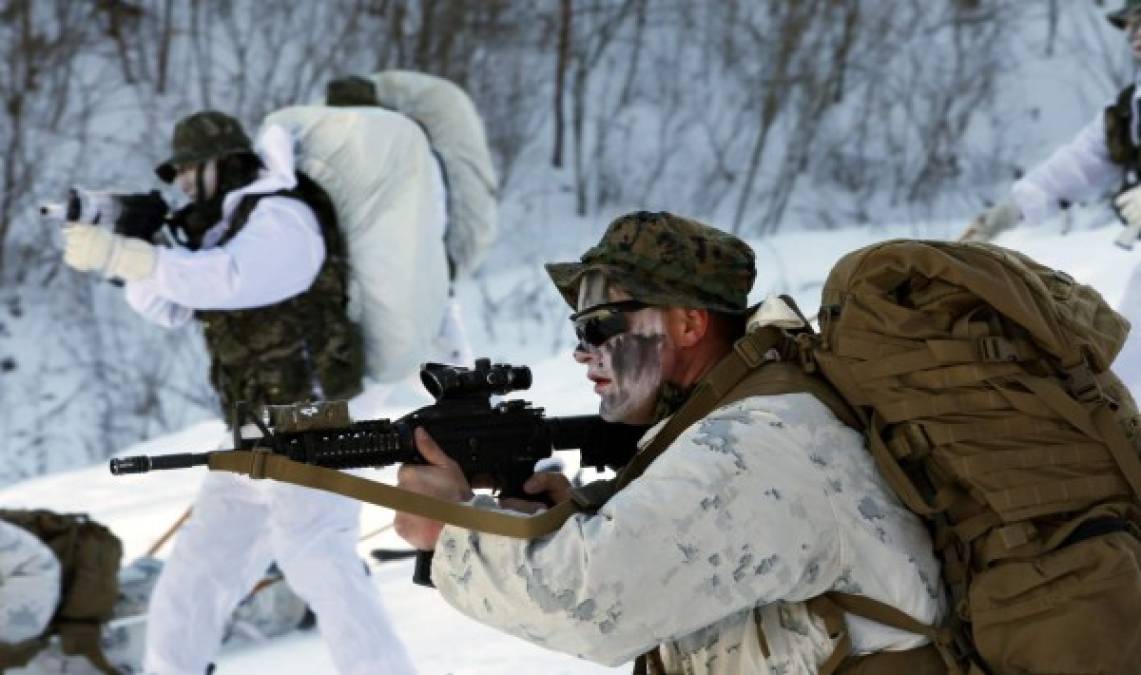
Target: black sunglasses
x,y
595,325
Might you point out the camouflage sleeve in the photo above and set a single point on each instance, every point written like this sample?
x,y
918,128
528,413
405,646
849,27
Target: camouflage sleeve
x,y
1074,172
705,532
29,584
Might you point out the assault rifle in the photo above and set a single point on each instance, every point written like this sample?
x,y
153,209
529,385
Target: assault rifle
x,y
495,445
139,215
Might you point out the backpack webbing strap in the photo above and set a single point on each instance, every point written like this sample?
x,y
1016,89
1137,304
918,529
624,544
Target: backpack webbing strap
x,y
954,377
84,639
833,617
1100,423
930,353
945,433
943,637
894,474
264,464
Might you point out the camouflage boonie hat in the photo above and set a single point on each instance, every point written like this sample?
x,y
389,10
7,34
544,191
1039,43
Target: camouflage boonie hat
x,y
666,260
1121,16
350,91
201,137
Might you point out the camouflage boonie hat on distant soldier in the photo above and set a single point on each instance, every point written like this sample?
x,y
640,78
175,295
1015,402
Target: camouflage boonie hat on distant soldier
x,y
666,260
353,90
1121,16
201,137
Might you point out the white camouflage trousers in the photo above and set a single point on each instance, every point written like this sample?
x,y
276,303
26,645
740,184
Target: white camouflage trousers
x,y
237,528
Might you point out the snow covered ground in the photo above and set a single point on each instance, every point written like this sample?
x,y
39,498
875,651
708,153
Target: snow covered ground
x,y
140,508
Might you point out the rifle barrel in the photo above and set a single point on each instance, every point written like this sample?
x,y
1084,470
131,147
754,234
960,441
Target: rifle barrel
x,y
145,463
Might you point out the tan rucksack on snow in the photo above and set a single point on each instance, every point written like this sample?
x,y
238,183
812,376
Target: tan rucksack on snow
x,y
89,556
983,379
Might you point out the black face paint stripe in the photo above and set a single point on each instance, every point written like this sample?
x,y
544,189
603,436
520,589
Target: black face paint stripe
x,y
633,354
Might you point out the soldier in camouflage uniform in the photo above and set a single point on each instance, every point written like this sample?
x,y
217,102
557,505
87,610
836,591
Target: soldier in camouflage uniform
x,y
707,557
262,269
1106,153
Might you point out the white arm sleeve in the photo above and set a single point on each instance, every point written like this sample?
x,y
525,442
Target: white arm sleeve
x,y
1075,171
664,557
276,256
29,584
143,297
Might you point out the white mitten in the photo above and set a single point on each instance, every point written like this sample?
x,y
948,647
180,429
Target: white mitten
x,y
1129,205
88,248
990,223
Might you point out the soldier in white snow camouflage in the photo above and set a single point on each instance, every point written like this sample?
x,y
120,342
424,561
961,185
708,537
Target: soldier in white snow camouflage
x,y
704,562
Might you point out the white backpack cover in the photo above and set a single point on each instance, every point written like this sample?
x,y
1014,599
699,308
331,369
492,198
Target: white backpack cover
x,y
456,133
384,182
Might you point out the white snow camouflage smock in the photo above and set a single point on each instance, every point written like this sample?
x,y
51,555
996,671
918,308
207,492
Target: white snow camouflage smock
x,y
29,584
763,504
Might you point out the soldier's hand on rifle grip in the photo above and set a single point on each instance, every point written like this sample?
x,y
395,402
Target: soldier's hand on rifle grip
x,y
552,486
441,477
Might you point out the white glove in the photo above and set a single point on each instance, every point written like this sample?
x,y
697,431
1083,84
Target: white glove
x,y
89,248
1129,205
990,223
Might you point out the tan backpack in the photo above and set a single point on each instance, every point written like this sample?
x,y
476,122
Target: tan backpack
x,y
89,556
983,379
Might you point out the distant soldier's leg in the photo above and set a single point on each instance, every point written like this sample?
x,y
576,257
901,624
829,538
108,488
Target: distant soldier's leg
x,y
452,344
219,554
314,536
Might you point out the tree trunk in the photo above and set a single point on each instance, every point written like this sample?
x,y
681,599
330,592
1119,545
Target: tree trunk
x,y
561,59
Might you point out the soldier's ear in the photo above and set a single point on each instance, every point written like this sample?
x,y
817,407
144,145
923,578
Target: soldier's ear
x,y
687,327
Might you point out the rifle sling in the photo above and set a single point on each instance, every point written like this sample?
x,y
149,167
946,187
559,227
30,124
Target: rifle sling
x,y
264,464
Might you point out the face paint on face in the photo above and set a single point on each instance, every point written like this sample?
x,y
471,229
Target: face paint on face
x,y
634,364
628,369
186,178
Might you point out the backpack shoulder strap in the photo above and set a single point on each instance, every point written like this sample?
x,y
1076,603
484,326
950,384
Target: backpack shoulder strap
x,y
742,374
712,392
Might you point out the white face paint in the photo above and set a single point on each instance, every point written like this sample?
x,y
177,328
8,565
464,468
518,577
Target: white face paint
x,y
186,178
628,369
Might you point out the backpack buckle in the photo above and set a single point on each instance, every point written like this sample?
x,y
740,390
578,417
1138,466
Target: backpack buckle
x,y
994,348
804,347
749,351
1083,385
